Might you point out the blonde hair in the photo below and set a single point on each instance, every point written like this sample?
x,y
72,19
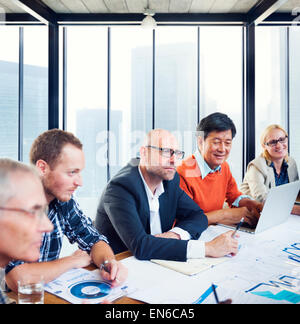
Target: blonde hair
x,y
263,136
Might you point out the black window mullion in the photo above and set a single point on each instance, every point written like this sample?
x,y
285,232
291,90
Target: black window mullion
x,y
244,166
198,75
108,98
288,82
65,79
21,94
250,94
53,76
153,79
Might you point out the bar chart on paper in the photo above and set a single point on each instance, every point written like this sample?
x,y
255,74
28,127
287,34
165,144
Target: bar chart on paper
x,y
265,271
284,289
293,252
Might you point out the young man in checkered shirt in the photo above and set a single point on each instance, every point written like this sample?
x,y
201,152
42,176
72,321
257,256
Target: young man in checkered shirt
x,y
59,159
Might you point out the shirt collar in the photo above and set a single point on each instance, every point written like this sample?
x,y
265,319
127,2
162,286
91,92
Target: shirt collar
x,y
203,166
283,166
55,202
159,190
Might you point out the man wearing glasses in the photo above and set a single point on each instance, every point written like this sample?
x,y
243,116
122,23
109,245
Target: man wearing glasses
x,y
142,202
206,177
23,218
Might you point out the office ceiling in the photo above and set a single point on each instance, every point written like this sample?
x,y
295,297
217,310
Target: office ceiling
x,y
58,10
159,6
138,6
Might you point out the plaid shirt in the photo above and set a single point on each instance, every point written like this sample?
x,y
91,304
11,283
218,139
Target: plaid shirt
x,y
67,219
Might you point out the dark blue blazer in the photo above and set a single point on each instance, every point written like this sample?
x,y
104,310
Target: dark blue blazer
x,y
123,216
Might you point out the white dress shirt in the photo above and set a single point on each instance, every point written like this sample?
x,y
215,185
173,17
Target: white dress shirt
x,y
195,248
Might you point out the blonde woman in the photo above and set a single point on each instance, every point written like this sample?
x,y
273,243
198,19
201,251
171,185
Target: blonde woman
x,y
273,167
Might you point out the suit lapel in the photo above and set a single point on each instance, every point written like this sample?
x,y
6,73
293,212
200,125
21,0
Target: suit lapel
x,y
164,210
144,204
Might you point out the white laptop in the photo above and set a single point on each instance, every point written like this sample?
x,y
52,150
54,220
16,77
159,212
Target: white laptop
x,y
277,207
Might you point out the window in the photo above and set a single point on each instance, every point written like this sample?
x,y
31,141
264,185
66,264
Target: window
x,y
115,73
35,93
9,91
294,93
87,107
23,88
270,79
131,93
110,98
176,83
221,82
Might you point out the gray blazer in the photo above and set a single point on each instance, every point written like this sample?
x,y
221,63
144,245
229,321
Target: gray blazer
x,y
259,178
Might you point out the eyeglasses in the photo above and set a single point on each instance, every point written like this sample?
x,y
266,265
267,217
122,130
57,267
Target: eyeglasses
x,y
168,153
37,213
281,140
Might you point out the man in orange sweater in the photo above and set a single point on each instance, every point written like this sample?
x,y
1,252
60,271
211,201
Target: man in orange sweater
x,y
206,177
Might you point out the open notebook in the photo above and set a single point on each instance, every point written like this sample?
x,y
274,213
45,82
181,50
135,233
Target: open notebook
x,y
191,266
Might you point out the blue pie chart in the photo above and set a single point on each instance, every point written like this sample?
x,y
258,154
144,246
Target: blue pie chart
x,y
90,289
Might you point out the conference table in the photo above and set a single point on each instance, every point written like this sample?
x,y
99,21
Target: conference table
x,y
52,299
276,248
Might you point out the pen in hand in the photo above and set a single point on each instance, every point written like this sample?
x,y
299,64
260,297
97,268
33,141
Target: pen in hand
x,y
237,227
104,266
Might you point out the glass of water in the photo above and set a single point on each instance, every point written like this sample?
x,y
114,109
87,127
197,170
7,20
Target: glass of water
x,y
31,290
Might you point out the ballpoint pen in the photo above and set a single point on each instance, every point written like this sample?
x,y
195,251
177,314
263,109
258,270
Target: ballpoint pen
x,y
104,267
215,293
237,227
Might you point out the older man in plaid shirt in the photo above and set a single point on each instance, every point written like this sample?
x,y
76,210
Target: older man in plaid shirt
x,y
59,159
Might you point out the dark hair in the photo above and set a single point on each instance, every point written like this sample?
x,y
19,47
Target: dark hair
x,y
216,122
49,145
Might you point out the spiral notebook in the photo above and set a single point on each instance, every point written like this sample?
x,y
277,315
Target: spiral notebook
x,y
191,266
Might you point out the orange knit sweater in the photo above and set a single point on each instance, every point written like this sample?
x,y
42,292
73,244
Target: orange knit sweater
x,y
211,192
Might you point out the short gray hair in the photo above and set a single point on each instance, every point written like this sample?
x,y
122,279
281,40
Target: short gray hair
x,y
7,168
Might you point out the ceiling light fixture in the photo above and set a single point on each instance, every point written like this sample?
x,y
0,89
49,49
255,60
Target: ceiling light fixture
x,y
149,22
